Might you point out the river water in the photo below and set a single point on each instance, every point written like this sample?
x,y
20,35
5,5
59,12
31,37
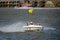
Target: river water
x,y
13,20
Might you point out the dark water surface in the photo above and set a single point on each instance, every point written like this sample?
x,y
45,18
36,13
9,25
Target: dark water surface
x,y
29,36
11,18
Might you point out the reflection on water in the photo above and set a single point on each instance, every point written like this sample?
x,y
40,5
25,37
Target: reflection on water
x,y
45,35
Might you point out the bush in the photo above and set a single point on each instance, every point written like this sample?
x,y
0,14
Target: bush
x,y
58,4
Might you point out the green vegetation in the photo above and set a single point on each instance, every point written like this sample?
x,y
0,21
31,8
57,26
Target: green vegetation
x,y
58,4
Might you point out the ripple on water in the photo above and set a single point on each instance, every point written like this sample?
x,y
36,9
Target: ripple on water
x,y
28,36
